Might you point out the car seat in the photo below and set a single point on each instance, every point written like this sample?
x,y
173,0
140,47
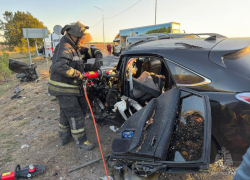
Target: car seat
x,y
152,65
147,86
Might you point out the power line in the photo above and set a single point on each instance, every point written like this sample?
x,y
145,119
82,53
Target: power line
x,y
124,10
96,24
116,14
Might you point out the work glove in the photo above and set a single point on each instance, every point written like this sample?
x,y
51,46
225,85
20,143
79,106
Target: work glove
x,y
74,74
78,78
98,63
79,75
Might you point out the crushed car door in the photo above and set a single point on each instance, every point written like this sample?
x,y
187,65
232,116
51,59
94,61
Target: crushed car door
x,y
171,133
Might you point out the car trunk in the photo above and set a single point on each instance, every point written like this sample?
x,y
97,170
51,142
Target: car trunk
x,y
170,134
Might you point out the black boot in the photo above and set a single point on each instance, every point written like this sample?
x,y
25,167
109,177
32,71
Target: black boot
x,y
65,138
86,145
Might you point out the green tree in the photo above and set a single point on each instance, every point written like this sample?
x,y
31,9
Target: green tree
x,y
160,30
4,65
12,27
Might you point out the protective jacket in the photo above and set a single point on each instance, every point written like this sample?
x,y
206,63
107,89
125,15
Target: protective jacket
x,y
67,67
88,53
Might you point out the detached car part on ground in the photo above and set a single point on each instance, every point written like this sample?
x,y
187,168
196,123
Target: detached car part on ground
x,y
25,72
171,132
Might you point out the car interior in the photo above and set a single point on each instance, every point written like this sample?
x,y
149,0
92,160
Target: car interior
x,y
142,69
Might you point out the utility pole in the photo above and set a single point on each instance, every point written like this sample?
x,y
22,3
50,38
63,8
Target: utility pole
x,y
155,10
103,28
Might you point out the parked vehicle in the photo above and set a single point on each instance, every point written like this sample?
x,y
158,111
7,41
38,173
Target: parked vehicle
x,y
177,82
50,44
123,38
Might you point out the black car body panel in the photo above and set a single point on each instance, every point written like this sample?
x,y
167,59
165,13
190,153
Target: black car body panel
x,y
231,127
225,47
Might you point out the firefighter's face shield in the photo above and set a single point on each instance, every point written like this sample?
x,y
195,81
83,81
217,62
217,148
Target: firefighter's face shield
x,y
85,38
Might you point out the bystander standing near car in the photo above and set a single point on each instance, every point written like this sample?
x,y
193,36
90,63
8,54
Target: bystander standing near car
x,y
109,49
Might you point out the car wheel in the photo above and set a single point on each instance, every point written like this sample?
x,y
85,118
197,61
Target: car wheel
x,y
215,147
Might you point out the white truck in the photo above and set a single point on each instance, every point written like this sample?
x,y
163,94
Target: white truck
x,y
47,49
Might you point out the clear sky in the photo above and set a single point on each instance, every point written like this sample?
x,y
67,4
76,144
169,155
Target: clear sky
x,y
227,17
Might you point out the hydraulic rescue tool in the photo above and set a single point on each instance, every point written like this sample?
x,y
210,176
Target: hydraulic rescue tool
x,y
25,173
98,74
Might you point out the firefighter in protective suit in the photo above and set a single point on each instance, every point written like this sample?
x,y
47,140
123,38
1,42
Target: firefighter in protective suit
x,y
66,83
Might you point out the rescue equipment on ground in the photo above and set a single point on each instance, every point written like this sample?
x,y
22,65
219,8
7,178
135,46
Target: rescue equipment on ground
x,y
25,173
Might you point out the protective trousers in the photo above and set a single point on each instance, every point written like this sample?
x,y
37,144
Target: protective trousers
x,y
72,115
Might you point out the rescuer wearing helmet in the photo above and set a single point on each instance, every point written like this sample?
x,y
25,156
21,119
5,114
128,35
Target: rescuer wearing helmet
x,y
66,84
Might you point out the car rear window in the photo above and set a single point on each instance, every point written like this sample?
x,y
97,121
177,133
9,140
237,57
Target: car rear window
x,y
239,61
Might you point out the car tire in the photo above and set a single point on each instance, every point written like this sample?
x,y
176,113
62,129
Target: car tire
x,y
215,147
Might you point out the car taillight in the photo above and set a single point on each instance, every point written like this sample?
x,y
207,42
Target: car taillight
x,y
245,97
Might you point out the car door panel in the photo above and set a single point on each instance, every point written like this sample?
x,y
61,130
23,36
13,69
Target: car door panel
x,y
171,133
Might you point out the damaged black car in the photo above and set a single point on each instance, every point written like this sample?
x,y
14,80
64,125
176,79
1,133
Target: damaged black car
x,y
176,103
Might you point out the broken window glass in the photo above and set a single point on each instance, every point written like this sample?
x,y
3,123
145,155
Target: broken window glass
x,y
188,137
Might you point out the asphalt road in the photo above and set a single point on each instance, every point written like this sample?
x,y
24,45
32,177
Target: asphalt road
x,y
110,61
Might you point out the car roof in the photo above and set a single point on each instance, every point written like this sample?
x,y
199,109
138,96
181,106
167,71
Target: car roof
x,y
175,44
161,34
138,37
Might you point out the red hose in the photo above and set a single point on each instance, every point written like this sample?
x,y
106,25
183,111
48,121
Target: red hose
x,y
97,134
